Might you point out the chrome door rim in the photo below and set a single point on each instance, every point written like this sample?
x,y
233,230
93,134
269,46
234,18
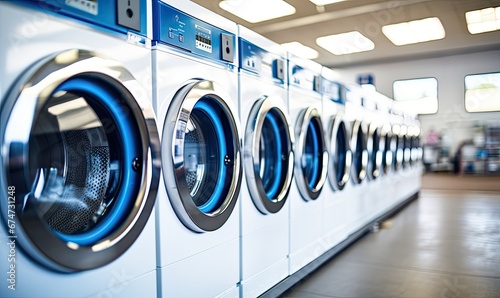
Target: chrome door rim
x,y
406,150
24,102
179,113
399,152
374,143
257,117
389,148
336,124
304,119
358,175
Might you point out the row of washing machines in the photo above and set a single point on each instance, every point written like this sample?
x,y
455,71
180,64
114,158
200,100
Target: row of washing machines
x,y
156,149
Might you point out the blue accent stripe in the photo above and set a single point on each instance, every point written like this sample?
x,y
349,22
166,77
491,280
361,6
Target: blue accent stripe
x,y
217,194
130,149
274,187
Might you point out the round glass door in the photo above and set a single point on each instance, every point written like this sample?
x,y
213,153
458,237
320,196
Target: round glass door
x,y
375,152
399,153
80,148
268,154
389,148
201,155
360,153
406,147
418,149
340,154
312,157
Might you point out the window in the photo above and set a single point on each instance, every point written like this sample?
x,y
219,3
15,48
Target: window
x,y
418,95
482,92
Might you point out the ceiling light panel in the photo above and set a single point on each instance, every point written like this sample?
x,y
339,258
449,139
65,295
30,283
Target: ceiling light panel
x,y
483,20
345,43
325,2
300,50
256,11
415,31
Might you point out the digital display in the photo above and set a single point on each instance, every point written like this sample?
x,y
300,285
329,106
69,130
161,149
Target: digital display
x,y
203,38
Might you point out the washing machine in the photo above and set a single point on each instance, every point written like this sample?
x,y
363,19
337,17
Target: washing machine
x,y
268,162
399,130
196,95
79,150
336,194
387,147
378,138
311,162
356,116
410,172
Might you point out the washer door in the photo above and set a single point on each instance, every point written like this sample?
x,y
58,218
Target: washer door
x,y
201,155
407,150
414,150
399,150
79,151
389,149
375,147
418,149
268,154
339,165
360,153
311,158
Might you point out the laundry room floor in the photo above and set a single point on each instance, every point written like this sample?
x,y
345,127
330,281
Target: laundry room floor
x,y
444,244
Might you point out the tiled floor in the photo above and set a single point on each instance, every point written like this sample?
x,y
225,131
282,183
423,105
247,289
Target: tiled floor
x,y
444,244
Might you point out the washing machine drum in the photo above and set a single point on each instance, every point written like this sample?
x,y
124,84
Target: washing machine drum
x,y
375,145
201,155
407,150
311,159
268,154
78,159
360,152
389,149
340,155
399,156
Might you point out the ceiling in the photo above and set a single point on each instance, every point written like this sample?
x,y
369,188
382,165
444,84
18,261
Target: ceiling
x,y
368,17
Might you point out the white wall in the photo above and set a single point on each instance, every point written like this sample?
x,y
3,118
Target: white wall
x,y
451,118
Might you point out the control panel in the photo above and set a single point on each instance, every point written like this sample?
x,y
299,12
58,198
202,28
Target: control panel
x,y
332,90
122,16
304,78
261,62
176,28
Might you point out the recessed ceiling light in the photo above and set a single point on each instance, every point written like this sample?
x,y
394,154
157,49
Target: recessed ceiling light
x,y
415,31
257,10
325,2
345,43
483,20
300,50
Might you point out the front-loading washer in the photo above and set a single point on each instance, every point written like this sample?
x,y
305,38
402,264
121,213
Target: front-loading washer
x,y
410,172
79,150
311,161
374,117
398,170
196,96
355,115
268,163
387,147
336,194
